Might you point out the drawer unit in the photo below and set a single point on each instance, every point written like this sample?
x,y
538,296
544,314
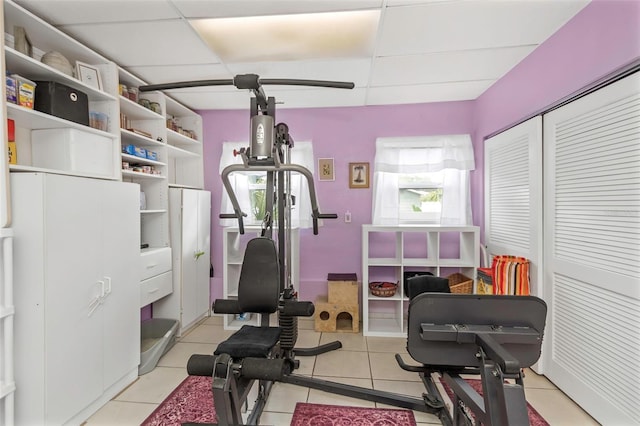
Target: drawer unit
x,y
155,288
154,262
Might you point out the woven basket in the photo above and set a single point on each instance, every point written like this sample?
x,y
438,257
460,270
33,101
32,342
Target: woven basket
x,y
383,288
458,283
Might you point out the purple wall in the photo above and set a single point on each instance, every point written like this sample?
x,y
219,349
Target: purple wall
x,y
601,38
347,135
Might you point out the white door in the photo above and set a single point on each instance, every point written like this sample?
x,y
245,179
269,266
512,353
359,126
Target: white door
x,y
196,206
73,318
592,250
204,246
189,250
513,195
120,218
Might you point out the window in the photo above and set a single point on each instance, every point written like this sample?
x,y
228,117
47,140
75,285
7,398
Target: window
x,y
250,187
422,180
420,197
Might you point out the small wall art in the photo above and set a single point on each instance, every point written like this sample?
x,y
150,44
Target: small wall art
x,y
89,75
358,175
326,171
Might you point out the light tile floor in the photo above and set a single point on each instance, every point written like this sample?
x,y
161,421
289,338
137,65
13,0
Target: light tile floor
x,y
362,361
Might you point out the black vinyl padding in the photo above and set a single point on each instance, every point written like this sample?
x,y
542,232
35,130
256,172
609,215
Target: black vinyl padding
x,y
473,310
250,341
426,284
259,284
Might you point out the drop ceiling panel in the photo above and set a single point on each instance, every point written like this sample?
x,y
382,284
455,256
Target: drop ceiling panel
x,y
63,12
420,93
483,64
425,50
231,8
352,70
446,26
173,73
155,43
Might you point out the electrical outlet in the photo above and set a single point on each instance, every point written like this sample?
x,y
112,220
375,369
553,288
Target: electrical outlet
x,y
347,217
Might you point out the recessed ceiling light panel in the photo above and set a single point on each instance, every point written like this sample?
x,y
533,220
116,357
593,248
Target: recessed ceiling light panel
x,y
290,37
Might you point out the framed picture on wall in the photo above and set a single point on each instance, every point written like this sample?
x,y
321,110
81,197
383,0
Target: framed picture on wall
x,y
358,175
325,169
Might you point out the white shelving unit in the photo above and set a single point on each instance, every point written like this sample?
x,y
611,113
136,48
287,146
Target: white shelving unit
x,y
45,37
390,251
186,168
233,246
179,163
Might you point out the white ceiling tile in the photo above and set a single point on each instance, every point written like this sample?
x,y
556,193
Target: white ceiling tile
x,y
154,43
212,99
231,8
349,70
63,12
483,64
445,26
422,93
173,73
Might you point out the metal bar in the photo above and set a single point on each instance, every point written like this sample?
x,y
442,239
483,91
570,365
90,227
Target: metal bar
x,y
361,393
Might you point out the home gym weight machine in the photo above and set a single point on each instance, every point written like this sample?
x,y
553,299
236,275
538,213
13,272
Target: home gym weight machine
x,y
493,337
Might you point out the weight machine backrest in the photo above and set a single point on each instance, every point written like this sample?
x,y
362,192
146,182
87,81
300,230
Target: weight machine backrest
x,y
259,284
447,338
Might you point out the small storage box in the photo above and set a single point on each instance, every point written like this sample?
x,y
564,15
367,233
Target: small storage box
x,y
25,91
73,150
62,101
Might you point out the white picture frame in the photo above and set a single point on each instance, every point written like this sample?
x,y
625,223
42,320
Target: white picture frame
x,y
89,75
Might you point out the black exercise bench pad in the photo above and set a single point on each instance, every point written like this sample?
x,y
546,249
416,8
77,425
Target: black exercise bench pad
x,y
250,341
466,311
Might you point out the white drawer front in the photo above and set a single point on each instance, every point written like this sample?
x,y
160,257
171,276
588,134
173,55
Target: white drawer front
x,y
155,288
154,262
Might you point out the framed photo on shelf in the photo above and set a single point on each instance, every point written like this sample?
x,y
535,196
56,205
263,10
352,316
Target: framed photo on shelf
x,y
358,175
326,170
89,75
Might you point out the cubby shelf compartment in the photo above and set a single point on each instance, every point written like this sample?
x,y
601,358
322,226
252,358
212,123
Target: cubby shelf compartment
x,y
390,251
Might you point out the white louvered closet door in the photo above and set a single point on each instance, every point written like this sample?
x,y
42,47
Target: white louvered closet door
x,y
513,195
592,250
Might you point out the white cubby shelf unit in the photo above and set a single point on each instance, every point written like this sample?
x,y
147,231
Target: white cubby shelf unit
x,y
388,252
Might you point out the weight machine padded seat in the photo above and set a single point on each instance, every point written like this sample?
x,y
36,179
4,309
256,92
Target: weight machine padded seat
x,y
250,342
469,310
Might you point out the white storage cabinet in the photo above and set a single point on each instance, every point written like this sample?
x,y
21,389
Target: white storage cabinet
x,y
390,251
76,275
190,220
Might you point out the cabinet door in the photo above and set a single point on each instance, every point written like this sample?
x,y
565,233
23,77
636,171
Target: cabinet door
x,y
196,226
73,316
189,250
203,263
120,228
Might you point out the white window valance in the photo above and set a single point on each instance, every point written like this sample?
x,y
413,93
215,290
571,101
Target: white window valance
x,y
450,154
424,154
